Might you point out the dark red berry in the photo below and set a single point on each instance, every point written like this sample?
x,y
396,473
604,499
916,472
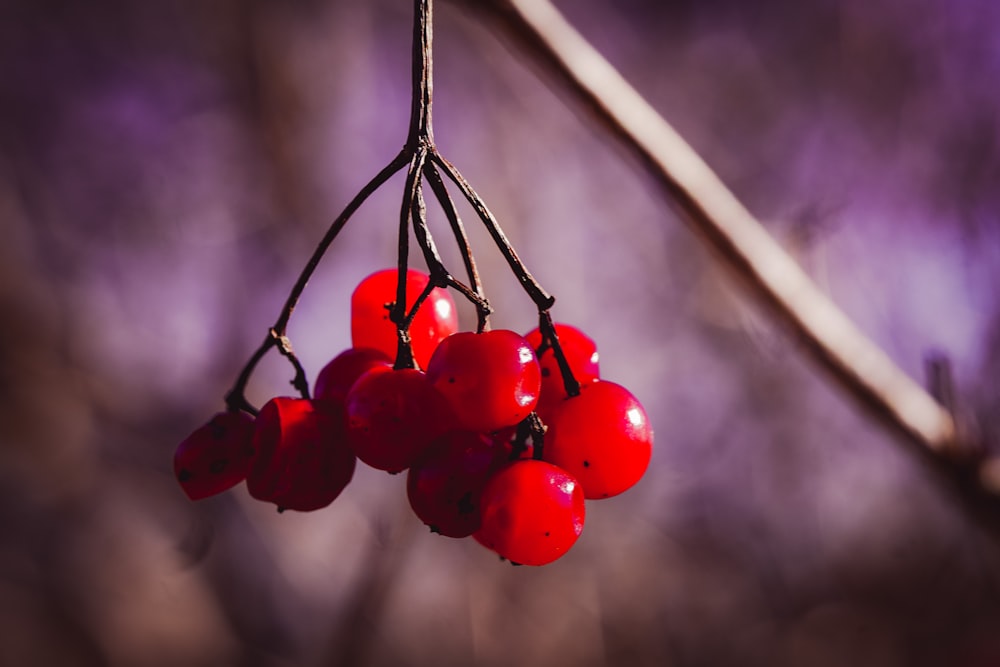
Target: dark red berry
x,y
215,457
336,378
392,417
445,485
304,460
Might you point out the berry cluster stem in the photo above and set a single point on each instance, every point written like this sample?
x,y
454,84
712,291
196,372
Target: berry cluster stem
x,y
422,161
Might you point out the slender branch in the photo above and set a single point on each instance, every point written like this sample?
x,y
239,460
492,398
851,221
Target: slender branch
x,y
713,211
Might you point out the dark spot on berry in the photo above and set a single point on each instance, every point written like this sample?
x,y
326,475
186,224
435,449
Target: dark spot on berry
x,y
451,380
218,430
281,510
184,475
586,464
465,505
434,529
546,533
604,495
515,564
218,465
546,372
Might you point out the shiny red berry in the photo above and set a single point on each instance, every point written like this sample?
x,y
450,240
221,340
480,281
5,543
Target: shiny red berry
x,y
532,512
216,456
392,417
445,485
491,380
581,355
303,458
371,327
336,378
602,437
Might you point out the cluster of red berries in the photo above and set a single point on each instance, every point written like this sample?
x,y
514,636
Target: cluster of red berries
x,y
496,442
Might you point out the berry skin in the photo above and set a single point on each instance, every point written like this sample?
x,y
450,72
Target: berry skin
x,y
303,461
581,355
532,512
216,457
371,327
336,378
393,416
491,380
602,437
444,487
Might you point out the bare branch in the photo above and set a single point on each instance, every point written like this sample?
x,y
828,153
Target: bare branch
x,y
768,272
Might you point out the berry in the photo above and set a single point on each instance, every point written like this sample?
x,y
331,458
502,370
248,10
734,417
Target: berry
x,y
602,437
532,512
435,320
491,380
393,415
216,457
581,355
303,461
336,378
444,487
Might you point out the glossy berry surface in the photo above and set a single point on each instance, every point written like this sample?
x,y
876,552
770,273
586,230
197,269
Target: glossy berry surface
x,y
371,327
491,380
602,437
392,417
532,512
445,486
581,355
303,459
216,457
336,378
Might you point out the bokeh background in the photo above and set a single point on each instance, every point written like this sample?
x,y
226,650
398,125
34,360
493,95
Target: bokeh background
x,y
167,167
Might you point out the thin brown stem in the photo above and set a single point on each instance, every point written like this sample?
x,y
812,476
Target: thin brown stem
x,y
421,130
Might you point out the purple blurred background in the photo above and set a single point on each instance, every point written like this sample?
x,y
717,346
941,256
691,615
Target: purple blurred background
x,y
166,169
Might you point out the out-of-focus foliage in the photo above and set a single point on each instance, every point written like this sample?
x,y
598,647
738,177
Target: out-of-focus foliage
x,y
166,167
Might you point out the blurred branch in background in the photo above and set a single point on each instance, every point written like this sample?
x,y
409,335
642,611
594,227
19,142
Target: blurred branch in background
x,y
760,264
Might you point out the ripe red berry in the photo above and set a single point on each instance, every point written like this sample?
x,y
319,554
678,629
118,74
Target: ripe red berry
x,y
581,355
445,485
435,320
532,512
491,380
303,461
602,437
216,456
336,378
393,415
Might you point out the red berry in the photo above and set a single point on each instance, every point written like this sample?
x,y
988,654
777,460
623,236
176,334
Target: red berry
x,y
393,415
303,461
603,437
215,457
445,485
336,378
371,327
491,380
532,512
581,355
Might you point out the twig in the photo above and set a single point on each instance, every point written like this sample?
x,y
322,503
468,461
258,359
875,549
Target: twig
x,y
769,273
